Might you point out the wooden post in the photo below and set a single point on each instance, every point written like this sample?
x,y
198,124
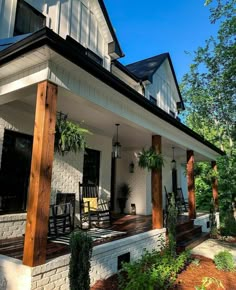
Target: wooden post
x,y
40,176
157,212
215,186
191,186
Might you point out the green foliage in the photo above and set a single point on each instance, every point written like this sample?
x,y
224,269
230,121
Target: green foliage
x,y
224,261
228,225
209,281
155,270
124,190
150,159
195,262
69,137
209,89
81,252
171,224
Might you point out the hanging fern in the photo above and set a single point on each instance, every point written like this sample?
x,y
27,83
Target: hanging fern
x,y
150,159
69,137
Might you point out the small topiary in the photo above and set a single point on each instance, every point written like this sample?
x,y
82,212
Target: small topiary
x,y
224,261
81,252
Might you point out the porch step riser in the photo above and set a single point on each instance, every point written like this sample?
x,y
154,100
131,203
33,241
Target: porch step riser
x,y
187,235
185,226
195,241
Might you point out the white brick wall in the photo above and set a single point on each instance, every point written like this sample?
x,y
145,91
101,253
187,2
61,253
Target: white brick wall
x,y
204,219
54,274
105,257
12,225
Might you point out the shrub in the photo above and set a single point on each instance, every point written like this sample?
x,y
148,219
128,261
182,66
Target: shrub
x,y
155,270
229,225
81,252
171,224
224,261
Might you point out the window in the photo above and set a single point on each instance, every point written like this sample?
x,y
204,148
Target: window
x,y
28,19
15,171
152,100
91,167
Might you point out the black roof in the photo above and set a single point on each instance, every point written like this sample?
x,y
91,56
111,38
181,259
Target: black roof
x,y
71,51
144,69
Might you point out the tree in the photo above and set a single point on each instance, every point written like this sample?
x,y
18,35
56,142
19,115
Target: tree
x,y
209,89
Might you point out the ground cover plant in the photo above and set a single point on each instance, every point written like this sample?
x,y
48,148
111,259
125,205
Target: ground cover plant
x,y
224,261
155,270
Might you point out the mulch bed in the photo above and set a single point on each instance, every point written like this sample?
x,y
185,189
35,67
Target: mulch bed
x,y
186,280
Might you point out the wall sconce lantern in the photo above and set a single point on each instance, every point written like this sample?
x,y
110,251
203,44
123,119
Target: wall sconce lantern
x,y
131,167
116,145
173,162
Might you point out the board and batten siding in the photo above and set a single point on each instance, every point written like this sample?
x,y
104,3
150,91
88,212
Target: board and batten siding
x,y
163,88
77,18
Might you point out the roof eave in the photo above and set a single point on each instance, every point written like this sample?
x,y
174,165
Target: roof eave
x,y
116,46
46,36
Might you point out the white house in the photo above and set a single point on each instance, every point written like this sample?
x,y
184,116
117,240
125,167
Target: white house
x,y
63,56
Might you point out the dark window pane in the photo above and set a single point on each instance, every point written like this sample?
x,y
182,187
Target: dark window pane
x,y
15,170
152,100
28,19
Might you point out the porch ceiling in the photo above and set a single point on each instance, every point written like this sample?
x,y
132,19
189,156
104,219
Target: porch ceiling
x,y
93,117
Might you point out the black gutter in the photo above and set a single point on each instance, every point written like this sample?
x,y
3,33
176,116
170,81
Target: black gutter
x,y
46,36
125,70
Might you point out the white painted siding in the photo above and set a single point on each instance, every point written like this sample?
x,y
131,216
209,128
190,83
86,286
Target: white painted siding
x,y
7,17
77,18
163,88
139,181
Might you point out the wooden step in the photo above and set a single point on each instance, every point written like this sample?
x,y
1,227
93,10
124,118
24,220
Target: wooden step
x,y
182,227
193,242
188,234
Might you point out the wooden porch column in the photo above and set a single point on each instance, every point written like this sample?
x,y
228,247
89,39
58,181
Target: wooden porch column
x,y
191,186
215,186
157,212
40,175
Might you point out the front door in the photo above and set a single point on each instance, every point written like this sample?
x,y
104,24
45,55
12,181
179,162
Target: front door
x,y
15,171
91,167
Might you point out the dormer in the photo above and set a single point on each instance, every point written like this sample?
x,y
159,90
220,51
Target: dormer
x,y
86,21
159,80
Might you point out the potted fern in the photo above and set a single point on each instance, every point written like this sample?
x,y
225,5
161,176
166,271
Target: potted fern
x,y
124,192
69,137
150,159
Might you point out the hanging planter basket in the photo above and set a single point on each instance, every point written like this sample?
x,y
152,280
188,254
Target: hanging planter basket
x,y
69,137
150,159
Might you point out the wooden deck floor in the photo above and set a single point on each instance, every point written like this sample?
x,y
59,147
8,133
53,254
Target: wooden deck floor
x,y
131,224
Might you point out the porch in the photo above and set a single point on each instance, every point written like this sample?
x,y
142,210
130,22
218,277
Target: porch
x,y
123,226
135,236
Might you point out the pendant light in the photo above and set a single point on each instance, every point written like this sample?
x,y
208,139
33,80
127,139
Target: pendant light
x,y
173,162
116,145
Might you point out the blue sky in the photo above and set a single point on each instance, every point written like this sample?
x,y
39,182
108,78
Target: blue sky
x,y
147,28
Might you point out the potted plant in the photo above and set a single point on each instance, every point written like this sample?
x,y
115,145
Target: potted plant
x,y
69,137
124,192
150,159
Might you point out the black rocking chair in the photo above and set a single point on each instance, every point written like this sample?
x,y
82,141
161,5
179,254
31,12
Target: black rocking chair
x,y
92,210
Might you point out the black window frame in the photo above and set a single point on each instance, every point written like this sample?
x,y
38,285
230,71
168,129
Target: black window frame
x,y
29,14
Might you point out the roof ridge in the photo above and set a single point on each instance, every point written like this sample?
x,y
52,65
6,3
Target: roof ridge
x,y
149,58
